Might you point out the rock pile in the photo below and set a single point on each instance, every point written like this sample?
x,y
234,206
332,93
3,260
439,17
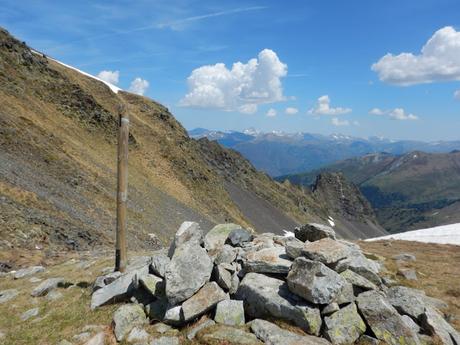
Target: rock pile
x,y
325,286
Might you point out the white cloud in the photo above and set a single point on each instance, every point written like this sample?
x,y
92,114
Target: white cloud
x,y
323,107
376,111
439,60
400,114
242,87
457,94
109,76
337,122
248,108
291,111
271,112
139,86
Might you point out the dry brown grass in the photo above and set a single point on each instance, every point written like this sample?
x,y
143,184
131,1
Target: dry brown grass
x,y
437,267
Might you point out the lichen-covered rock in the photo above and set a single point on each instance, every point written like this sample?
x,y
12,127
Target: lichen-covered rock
x,y
165,341
223,334
238,237
216,237
222,277
361,265
314,281
189,270
230,312
268,260
125,318
205,299
325,250
433,322
314,232
160,263
384,320
202,325
344,326
358,281
271,334
188,233
226,255
7,295
29,314
264,297
406,301
367,340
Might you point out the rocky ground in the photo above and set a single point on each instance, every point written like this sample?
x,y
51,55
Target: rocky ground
x,y
231,286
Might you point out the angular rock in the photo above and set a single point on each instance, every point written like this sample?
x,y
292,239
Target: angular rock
x,y
222,277
345,295
344,326
286,240
160,264
137,334
205,299
325,250
137,262
358,263
24,272
29,313
406,301
314,281
216,237
238,237
188,233
174,315
189,270
367,340
314,232
47,286
7,295
230,312
357,280
330,309
385,322
268,260
226,255
269,297
223,334
404,257
126,318
433,322
161,328
98,339
271,334
106,279
194,330
119,290
235,283
410,323
153,284
165,341
54,295
407,273
294,248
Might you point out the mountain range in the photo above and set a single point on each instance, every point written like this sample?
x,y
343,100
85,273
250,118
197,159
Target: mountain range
x,y
58,130
279,153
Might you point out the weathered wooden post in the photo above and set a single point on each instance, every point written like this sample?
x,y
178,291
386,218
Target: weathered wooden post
x,y
122,189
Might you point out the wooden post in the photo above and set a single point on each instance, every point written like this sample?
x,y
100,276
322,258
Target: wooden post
x,y
122,190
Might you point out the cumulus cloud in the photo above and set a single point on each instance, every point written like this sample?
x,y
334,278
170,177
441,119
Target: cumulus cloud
x,y
323,107
241,88
271,112
439,60
109,76
291,111
457,94
376,111
400,114
139,86
337,122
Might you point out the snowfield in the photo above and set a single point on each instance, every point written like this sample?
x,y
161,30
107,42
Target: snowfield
x,y
444,234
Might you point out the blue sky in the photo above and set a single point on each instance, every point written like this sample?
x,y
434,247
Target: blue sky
x,y
305,65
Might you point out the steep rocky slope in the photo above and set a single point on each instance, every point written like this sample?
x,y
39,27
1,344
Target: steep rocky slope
x,y
58,164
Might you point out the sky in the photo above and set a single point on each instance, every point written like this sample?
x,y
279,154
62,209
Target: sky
x,y
358,67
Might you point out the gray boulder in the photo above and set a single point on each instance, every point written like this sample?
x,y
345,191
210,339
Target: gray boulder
x,y
202,325
29,314
24,272
223,277
7,295
223,334
160,263
98,339
314,281
205,299
126,318
46,286
406,301
384,320
137,334
230,312
407,273
344,326
271,334
189,270
404,257
266,297
106,279
367,340
119,290
326,250
226,255
238,237
216,237
358,263
357,280
190,233
433,322
314,232
165,341
268,260
173,315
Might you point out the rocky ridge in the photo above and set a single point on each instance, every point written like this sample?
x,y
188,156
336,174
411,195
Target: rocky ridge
x,y
237,283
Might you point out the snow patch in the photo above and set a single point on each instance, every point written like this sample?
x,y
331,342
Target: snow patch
x,y
444,234
288,233
331,221
112,87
